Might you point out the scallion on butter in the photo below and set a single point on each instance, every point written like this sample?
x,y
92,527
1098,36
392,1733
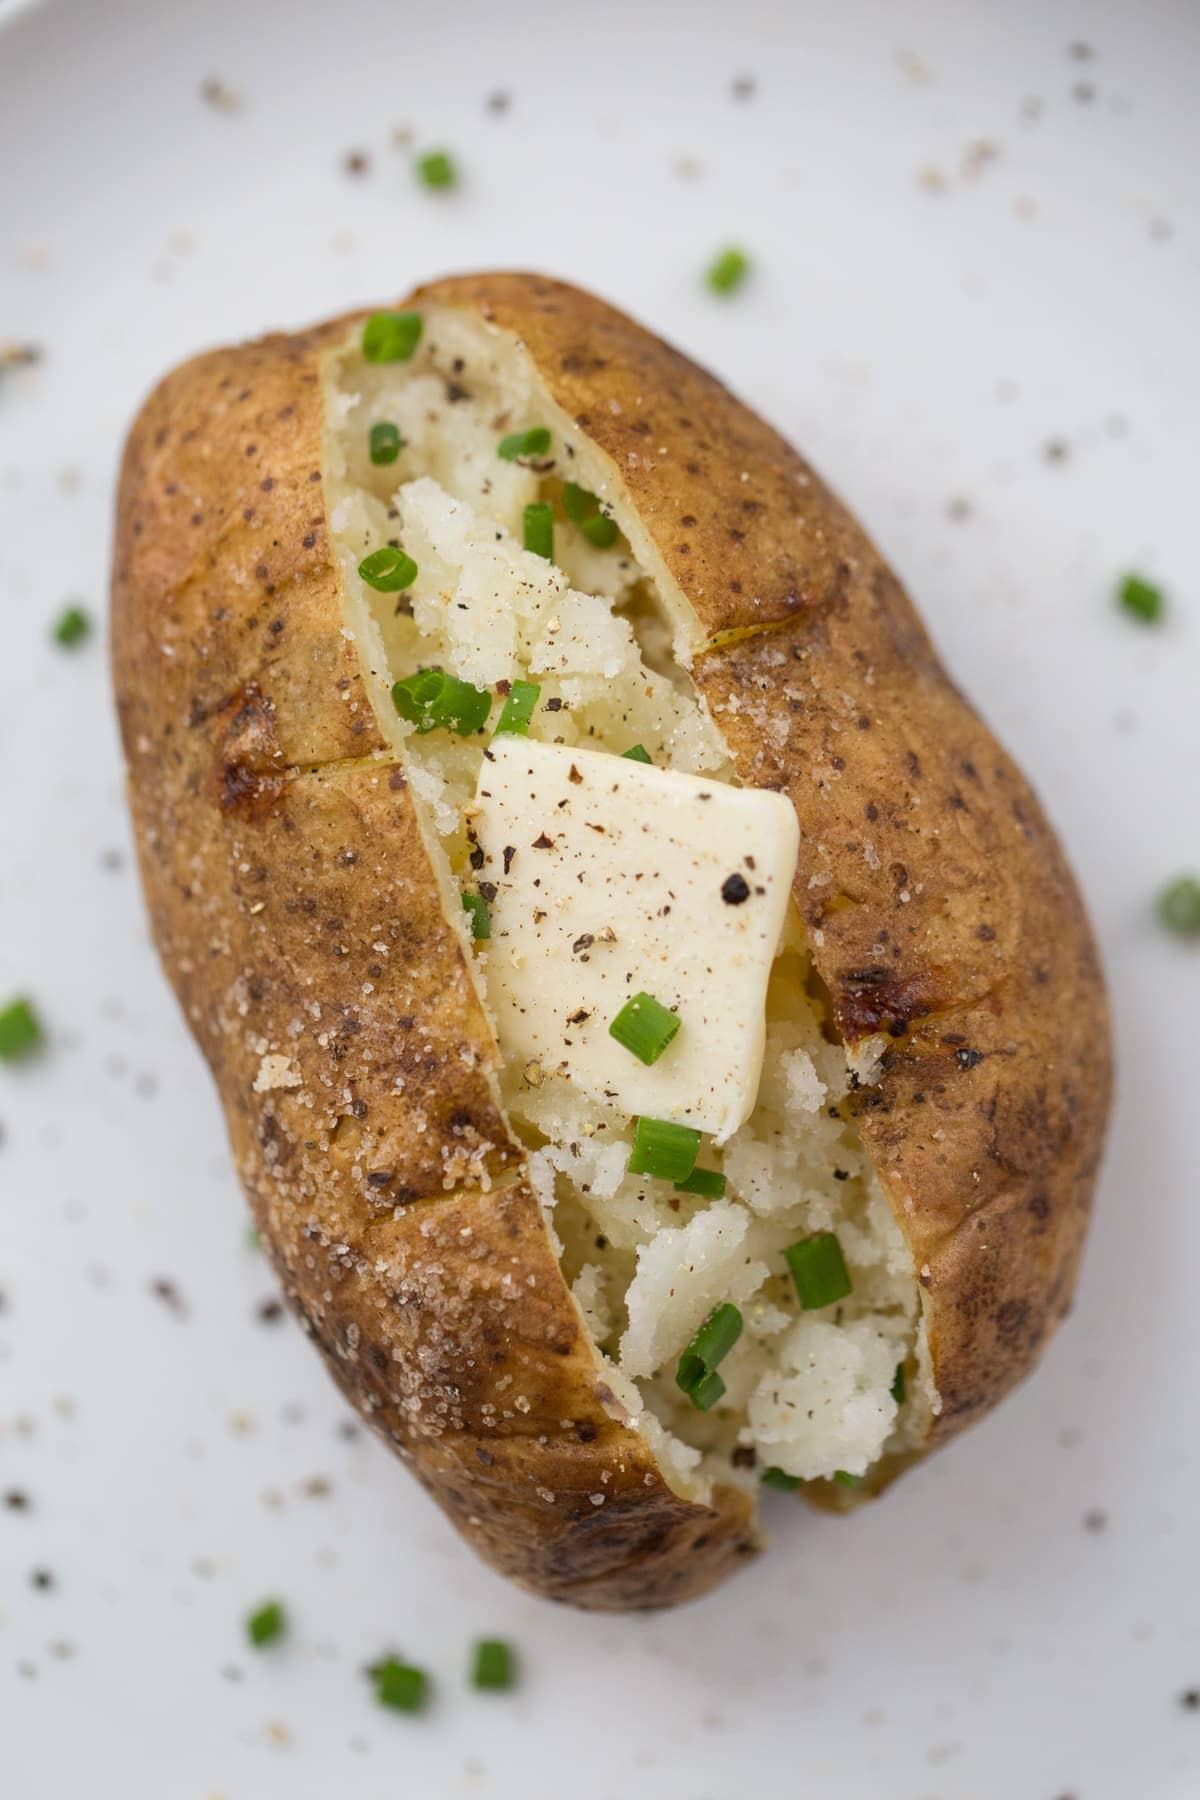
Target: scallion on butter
x,y
645,1027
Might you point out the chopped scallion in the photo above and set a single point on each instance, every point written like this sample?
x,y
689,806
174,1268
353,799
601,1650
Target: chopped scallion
x,y
384,443
601,531
645,1027
637,753
391,336
518,708
437,169
20,1030
387,570
696,1374
781,1480
266,1623
432,700
71,626
728,271
399,1685
534,442
1141,598
707,1391
846,1480
819,1270
583,510
538,522
663,1149
899,1389
481,919
493,1665
709,1182
1179,906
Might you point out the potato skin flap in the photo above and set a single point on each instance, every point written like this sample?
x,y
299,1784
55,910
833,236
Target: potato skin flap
x,y
315,954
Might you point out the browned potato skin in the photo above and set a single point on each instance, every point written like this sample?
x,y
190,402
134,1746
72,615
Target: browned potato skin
x,y
943,912
297,915
278,841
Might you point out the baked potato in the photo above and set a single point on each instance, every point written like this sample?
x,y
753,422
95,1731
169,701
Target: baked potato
x,y
438,631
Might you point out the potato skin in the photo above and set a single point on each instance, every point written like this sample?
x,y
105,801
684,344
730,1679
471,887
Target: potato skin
x,y
940,907
298,918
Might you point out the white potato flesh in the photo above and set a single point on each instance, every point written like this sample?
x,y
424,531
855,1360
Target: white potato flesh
x,y
807,1392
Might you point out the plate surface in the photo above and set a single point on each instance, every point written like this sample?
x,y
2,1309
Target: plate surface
x,y
974,303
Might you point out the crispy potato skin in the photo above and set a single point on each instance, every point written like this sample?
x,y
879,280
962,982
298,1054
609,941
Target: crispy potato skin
x,y
299,920
941,909
298,917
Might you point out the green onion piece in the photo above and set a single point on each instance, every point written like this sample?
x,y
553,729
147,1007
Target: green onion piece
x,y
707,1391
601,532
899,1388
645,1027
384,443
436,169
709,1182
728,271
846,1480
20,1031
781,1480
696,1374
583,509
481,920
266,1623
432,700
518,708
388,570
493,1665
534,442
662,1149
539,528
578,504
1142,599
1179,906
637,753
252,1240
391,336
71,626
399,1685
819,1270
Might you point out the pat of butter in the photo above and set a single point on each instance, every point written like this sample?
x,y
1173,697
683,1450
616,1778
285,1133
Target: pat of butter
x,y
611,879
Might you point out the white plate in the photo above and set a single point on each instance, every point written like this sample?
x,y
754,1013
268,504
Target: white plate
x,y
926,336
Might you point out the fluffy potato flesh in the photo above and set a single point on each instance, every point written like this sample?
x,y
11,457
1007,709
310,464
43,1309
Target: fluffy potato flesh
x,y
818,1393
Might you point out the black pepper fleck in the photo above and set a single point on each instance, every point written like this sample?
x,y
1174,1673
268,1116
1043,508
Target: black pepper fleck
x,y
735,889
